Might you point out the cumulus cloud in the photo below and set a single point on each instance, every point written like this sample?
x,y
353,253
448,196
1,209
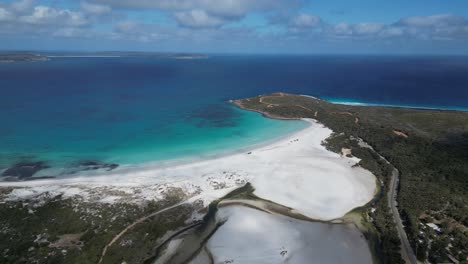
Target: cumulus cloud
x,y
44,15
95,9
441,20
205,13
22,5
442,26
305,21
219,7
146,32
5,15
356,30
368,28
141,32
198,19
436,27
203,21
23,18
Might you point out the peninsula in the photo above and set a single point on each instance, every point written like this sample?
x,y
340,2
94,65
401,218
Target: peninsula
x,y
388,183
9,57
420,159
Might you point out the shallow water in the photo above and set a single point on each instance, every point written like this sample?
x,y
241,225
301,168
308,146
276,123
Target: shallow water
x,y
134,110
252,236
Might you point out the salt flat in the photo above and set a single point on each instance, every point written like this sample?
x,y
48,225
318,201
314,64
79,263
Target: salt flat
x,y
253,236
295,171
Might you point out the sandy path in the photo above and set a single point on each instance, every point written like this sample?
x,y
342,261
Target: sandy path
x,y
119,235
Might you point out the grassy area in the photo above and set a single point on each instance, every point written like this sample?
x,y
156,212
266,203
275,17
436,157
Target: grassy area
x,y
428,147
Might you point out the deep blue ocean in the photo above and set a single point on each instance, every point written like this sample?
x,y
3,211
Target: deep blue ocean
x,y
134,110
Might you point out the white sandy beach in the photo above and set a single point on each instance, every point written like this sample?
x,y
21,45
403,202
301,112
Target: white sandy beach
x,y
296,171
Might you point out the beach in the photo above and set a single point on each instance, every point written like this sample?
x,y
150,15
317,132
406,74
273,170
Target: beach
x,y
295,171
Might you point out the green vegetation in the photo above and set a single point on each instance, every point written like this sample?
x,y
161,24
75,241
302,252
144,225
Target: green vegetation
x,y
57,230
378,221
428,147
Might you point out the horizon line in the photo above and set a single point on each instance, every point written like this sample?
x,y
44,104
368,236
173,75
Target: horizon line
x,y
241,53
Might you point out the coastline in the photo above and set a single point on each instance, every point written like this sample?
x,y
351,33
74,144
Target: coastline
x,y
178,141
274,170
415,107
294,171
264,114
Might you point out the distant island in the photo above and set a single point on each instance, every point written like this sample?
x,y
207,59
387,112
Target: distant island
x,y
9,57
26,56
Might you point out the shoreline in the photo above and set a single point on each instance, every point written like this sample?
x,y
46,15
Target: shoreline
x,y
273,169
413,107
265,114
295,172
173,162
242,137
158,164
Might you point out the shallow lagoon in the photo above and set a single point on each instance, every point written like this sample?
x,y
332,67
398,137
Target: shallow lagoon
x,y
253,236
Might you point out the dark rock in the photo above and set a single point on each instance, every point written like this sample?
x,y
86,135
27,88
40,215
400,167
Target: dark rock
x,y
89,163
24,169
112,166
95,165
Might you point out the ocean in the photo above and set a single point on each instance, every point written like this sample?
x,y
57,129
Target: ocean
x,y
139,110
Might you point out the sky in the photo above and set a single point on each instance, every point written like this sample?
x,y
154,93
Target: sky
x,y
237,26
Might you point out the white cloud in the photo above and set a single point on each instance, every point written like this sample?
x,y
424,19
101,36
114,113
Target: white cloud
x,y
126,26
23,18
357,30
95,9
203,13
390,32
202,21
44,15
220,8
198,19
342,29
5,15
441,20
22,5
367,28
131,30
436,27
305,20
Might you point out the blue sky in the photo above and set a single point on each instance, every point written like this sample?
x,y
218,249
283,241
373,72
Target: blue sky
x,y
237,26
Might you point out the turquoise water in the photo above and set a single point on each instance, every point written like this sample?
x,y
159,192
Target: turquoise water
x,y
175,140
185,139
138,110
